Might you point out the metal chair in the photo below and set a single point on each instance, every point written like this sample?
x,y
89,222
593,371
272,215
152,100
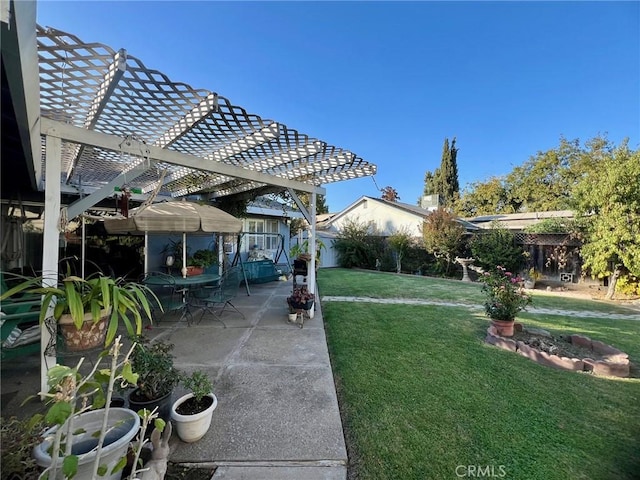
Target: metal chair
x,y
223,294
165,289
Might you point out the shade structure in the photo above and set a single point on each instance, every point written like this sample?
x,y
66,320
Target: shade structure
x,y
174,217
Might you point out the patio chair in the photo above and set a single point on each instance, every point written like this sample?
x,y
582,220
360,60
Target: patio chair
x,y
223,294
164,287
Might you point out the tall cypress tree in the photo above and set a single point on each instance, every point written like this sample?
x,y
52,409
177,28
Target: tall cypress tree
x,y
449,168
444,180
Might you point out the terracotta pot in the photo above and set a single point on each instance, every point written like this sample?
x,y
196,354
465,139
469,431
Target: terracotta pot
x,y
504,328
90,335
191,271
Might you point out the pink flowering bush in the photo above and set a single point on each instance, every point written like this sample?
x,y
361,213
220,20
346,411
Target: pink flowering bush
x,y
504,295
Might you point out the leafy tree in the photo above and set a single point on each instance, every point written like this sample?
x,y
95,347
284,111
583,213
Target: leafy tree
x,y
497,246
430,187
443,236
608,199
400,242
390,194
486,198
543,183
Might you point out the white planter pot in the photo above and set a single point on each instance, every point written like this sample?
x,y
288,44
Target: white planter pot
x,y
124,424
192,428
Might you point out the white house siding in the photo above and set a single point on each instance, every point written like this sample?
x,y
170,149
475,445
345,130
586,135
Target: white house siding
x,y
328,256
386,218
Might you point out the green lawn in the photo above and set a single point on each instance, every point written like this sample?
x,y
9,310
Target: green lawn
x,y
422,395
359,283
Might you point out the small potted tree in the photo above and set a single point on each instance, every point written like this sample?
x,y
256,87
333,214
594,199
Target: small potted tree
x,y
157,377
192,413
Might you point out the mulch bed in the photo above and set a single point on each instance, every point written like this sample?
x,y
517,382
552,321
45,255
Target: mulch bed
x,y
559,345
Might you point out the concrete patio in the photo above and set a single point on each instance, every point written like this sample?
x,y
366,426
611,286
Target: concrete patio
x,y
277,414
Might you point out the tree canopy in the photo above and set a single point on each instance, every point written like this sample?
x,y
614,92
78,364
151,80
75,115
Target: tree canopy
x,y
543,183
443,236
390,194
607,198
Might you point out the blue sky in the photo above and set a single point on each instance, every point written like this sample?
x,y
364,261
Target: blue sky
x,y
390,80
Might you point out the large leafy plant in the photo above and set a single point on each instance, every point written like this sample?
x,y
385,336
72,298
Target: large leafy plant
x,y
77,297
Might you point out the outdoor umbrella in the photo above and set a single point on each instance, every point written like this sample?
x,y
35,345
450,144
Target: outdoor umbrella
x,y
174,217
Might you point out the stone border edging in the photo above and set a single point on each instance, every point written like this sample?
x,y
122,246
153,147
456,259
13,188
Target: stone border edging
x,y
615,364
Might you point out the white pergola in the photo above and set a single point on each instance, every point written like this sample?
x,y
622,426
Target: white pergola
x,y
96,118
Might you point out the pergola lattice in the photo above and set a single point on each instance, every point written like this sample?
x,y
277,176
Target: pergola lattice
x,y
93,87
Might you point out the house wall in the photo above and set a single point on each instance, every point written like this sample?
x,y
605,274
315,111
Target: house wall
x,y
158,242
386,218
328,256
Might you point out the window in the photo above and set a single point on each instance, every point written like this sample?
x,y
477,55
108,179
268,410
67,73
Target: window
x,y
271,240
263,233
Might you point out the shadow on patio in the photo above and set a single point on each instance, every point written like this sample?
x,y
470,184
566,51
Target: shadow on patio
x,y
277,414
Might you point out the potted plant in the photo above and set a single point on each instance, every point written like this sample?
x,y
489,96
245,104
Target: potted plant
x,y
300,299
157,376
204,258
88,311
192,412
89,439
504,298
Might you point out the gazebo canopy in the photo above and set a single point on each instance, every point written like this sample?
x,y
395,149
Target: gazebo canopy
x,y
89,87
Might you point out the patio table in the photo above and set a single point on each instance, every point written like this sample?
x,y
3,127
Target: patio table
x,y
184,285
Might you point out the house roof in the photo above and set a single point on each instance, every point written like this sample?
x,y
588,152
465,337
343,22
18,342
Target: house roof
x,y
413,209
518,221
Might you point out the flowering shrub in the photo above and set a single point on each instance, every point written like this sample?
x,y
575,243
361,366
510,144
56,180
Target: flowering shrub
x,y
504,295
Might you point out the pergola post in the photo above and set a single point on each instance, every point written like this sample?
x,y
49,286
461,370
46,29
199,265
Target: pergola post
x,y
312,251
50,253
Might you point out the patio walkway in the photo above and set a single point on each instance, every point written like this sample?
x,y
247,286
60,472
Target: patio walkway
x,y
277,414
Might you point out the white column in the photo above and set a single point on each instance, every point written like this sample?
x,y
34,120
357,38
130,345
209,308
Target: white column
x,y
312,251
50,250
